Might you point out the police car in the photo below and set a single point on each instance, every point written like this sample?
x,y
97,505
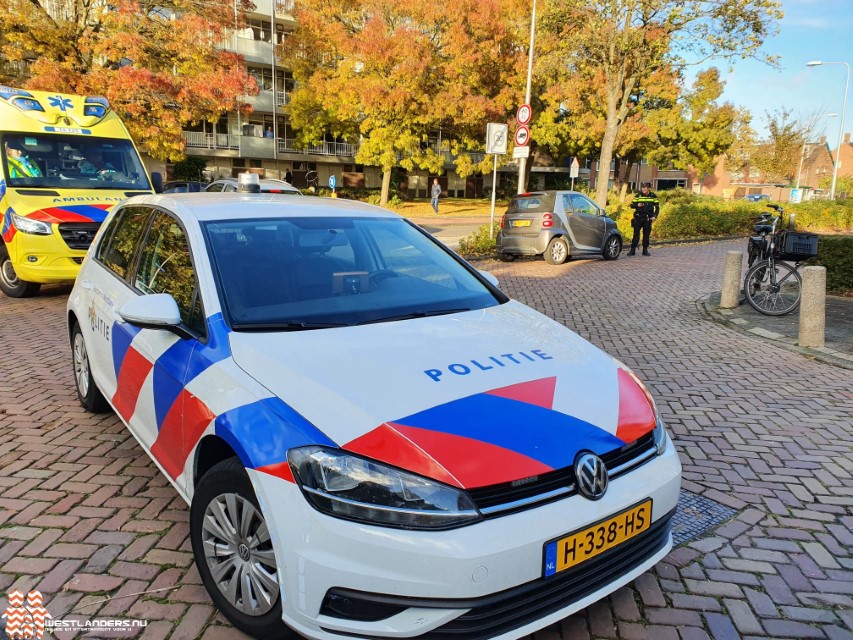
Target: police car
x,y
374,441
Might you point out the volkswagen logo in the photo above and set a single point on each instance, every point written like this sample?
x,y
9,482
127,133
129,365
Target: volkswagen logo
x,y
591,474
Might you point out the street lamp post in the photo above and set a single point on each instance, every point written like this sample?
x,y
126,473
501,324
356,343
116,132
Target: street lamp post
x,y
809,126
837,160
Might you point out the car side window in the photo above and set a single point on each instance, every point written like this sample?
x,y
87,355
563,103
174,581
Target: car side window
x,y
582,205
165,266
121,239
215,187
567,203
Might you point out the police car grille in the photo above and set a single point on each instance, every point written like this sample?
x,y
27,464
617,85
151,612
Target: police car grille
x,y
78,235
511,497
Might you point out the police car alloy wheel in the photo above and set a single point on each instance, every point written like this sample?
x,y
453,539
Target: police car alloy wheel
x,y
233,551
90,396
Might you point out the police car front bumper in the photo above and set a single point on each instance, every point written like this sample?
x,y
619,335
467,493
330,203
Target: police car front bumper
x,y
419,581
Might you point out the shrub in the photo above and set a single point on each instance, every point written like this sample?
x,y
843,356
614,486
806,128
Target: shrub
x,y
712,217
479,243
836,254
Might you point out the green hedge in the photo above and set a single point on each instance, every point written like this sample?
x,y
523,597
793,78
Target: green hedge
x,y
683,218
836,254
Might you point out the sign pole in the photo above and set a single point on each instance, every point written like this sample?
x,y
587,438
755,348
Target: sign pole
x,y
494,190
522,164
573,183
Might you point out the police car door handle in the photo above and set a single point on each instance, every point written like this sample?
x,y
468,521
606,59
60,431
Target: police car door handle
x,y
86,284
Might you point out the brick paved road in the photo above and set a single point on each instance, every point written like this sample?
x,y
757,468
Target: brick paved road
x,y
84,515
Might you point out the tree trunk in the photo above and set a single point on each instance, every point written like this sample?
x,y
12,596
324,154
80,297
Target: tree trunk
x,y
626,178
602,180
386,188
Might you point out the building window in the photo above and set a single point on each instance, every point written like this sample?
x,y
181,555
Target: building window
x,y
238,162
261,30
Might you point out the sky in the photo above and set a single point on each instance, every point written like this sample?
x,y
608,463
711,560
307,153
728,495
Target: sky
x,y
810,30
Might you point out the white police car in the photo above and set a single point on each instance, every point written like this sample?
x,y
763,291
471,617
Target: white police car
x,y
374,440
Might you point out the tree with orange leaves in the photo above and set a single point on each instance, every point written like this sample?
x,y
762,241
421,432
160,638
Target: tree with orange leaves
x,y
392,73
157,62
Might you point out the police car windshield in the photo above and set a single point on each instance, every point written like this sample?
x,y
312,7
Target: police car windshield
x,y
312,273
59,161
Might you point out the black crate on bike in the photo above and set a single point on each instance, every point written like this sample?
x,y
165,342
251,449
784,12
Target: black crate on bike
x,y
797,246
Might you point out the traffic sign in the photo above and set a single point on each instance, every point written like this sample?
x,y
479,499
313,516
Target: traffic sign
x,y
522,136
332,181
521,152
524,114
496,138
574,167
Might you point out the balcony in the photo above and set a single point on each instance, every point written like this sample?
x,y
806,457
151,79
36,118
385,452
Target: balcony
x,y
342,149
282,98
252,50
201,140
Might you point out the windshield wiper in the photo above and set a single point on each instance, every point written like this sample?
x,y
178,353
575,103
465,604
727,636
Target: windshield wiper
x,y
296,325
417,314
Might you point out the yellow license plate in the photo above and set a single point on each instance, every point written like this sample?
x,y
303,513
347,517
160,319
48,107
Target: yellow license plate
x,y
582,545
520,223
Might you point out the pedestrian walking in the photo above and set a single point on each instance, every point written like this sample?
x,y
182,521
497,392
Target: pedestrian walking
x,y
646,208
436,193
288,177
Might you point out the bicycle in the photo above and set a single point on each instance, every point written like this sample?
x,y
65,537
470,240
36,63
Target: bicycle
x,y
772,286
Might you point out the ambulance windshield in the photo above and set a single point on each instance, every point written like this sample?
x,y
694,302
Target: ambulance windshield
x,y
59,161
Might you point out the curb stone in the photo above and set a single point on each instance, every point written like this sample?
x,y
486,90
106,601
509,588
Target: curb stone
x,y
707,305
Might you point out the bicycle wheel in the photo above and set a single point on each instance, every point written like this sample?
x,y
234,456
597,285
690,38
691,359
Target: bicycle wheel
x,y
773,288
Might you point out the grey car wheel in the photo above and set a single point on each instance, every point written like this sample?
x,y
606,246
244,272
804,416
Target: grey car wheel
x,y
557,251
612,248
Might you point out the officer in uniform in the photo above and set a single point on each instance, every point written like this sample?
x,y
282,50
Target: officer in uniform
x,y
646,207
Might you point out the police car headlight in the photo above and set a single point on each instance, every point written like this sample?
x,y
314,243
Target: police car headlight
x,y
28,225
354,488
660,435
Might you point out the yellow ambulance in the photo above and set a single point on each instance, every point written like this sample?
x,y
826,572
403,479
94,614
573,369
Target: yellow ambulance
x,y
65,161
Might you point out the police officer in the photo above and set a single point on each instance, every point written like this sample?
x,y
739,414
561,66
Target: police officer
x,y
646,207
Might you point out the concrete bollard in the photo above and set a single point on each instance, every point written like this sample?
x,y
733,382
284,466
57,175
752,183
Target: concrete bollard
x,y
813,307
730,298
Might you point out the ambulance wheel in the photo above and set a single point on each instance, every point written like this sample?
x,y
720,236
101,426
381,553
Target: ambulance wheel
x,y
10,284
87,391
233,551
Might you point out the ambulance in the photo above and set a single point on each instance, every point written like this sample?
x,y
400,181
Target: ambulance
x,y
65,161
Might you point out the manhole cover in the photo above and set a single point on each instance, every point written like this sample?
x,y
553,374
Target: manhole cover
x,y
695,515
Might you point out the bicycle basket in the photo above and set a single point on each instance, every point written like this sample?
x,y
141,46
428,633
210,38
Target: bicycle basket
x,y
797,247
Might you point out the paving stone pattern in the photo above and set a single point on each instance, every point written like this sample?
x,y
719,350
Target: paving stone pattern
x,y
88,520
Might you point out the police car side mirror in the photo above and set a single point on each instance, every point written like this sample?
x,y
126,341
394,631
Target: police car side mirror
x,y
490,277
154,311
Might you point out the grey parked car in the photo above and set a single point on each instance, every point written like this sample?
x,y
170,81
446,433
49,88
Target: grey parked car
x,y
558,224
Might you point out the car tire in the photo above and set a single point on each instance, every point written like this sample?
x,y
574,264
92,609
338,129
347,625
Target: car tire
x,y
612,248
223,498
10,284
87,391
557,251
506,257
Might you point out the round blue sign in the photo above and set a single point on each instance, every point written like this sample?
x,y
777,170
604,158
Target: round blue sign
x,y
332,182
